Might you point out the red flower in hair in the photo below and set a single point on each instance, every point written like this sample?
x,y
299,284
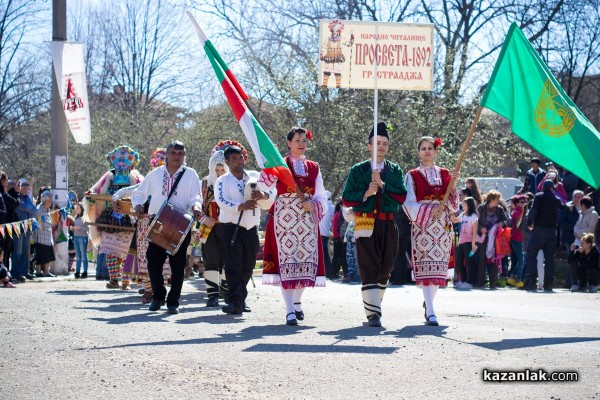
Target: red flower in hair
x,y
309,135
437,142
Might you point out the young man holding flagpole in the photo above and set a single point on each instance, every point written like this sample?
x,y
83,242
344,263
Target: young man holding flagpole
x,y
375,191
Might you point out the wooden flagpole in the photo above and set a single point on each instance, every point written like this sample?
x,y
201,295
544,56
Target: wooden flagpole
x,y
460,161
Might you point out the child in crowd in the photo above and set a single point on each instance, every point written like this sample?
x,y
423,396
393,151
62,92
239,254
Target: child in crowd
x,y
4,274
519,209
350,239
80,240
467,243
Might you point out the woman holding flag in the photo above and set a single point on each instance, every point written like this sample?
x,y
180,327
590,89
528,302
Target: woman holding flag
x,y
293,254
431,225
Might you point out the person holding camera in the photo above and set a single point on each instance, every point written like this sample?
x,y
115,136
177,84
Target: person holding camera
x,y
584,264
559,189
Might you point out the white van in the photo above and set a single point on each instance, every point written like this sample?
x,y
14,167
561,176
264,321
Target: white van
x,y
508,187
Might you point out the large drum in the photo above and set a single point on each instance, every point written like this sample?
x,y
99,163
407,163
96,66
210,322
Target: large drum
x,y
169,228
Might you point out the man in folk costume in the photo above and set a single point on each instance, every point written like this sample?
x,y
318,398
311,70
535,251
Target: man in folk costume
x,y
123,161
135,265
180,186
239,216
375,193
210,231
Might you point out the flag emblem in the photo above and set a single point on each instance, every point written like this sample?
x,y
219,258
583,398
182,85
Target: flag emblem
x,y
552,117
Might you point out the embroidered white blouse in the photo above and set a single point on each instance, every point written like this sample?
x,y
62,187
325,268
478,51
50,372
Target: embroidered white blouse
x,y
158,184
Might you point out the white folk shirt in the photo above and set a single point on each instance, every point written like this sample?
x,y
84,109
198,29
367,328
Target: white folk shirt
x,y
158,184
229,194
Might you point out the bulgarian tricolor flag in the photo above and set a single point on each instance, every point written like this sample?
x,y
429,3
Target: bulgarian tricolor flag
x,y
267,156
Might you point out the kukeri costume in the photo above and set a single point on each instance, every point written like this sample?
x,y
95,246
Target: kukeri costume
x,y
115,245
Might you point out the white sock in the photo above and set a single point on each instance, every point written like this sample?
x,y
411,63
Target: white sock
x,y
371,299
382,291
429,293
298,299
288,298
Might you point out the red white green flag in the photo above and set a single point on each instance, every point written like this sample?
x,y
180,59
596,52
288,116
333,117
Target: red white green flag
x,y
267,155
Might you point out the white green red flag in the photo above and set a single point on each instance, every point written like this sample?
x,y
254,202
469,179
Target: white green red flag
x,y
267,155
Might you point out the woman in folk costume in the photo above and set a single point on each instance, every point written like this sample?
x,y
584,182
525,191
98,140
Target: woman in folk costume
x,y
135,265
431,226
210,232
293,253
123,161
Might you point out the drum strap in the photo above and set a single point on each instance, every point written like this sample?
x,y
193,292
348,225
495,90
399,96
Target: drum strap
x,y
175,184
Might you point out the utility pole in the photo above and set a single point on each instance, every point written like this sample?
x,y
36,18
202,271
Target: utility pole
x,y
59,127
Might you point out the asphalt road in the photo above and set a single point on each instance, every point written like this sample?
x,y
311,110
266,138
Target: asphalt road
x,y
67,339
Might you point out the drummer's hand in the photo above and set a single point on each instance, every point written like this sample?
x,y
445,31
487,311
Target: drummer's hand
x,y
247,205
116,207
210,222
197,214
307,206
139,211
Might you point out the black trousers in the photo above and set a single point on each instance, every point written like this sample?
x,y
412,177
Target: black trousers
x,y
376,254
326,258
212,255
401,274
339,258
542,238
240,260
156,257
464,263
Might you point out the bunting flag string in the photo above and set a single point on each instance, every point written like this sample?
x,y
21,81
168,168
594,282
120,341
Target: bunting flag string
x,y
28,225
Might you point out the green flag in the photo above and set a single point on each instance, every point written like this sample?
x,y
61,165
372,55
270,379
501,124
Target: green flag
x,y
523,90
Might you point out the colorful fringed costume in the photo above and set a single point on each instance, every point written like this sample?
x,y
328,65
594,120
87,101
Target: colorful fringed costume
x,y
123,160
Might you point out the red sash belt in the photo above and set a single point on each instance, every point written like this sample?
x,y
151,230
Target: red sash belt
x,y
377,215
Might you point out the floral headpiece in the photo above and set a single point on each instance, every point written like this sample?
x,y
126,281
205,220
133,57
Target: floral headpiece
x,y
224,144
123,156
159,156
309,135
336,26
437,142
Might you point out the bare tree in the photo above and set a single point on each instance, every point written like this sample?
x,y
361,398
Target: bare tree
x,y
24,81
142,51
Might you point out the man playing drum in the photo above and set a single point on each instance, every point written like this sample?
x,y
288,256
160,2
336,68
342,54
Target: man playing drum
x,y
186,197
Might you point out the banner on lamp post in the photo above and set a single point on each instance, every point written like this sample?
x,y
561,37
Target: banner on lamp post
x,y
69,68
369,55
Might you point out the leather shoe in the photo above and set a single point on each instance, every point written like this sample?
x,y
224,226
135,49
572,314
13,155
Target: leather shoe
x,y
299,314
291,322
212,301
172,310
231,309
245,308
156,305
374,321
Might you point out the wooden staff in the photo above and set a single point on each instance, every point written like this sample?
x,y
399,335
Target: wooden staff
x,y
460,161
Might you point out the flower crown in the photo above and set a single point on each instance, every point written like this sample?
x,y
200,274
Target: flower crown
x,y
224,144
437,142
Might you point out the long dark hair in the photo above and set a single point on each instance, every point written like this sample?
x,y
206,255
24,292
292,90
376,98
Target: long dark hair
x,y
475,192
471,206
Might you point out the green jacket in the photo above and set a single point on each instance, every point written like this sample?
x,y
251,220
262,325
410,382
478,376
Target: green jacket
x,y
387,200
